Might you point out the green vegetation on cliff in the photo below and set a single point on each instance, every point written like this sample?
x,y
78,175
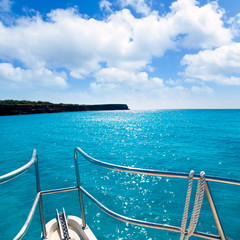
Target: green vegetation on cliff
x,y
15,107
10,101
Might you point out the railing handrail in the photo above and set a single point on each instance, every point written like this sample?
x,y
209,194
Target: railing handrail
x,y
144,223
9,176
38,200
160,174
153,172
26,225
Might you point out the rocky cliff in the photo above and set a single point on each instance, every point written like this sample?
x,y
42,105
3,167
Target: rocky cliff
x,y
25,107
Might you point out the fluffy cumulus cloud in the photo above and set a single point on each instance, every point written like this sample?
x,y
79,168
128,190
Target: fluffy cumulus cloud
x,y
42,77
110,78
198,26
221,65
117,52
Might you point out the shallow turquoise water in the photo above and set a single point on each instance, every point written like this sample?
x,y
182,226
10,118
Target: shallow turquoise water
x,y
176,140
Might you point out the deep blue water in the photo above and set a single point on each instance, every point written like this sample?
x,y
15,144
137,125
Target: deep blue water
x,y
176,140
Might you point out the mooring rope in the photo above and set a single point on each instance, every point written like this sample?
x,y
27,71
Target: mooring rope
x,y
196,208
185,212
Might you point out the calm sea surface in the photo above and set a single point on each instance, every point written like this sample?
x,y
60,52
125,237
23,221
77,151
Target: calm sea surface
x,y
175,140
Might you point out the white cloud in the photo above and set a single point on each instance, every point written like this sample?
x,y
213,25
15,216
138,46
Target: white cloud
x,y
123,80
5,5
125,44
140,6
141,91
105,5
198,26
18,77
221,65
139,96
235,24
69,40
76,74
173,82
203,89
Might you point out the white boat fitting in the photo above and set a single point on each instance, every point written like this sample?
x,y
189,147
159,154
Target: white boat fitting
x,y
71,227
74,228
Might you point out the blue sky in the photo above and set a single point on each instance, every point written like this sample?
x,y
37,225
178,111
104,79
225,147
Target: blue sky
x,y
148,54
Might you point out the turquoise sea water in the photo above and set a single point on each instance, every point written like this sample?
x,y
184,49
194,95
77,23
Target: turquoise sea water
x,y
176,140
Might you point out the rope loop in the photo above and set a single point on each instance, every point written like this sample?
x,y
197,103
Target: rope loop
x,y
185,212
196,208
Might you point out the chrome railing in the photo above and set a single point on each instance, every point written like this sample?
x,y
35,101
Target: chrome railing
x,y
152,172
161,174
24,229
9,176
38,198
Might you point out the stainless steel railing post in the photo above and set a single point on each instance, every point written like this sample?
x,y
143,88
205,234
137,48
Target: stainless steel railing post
x,y
214,212
40,199
79,190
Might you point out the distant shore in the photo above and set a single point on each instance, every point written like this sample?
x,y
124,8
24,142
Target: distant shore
x,y
14,107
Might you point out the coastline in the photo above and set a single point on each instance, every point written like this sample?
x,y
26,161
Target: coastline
x,y
13,107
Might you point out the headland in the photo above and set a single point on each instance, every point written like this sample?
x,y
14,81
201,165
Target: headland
x,y
14,107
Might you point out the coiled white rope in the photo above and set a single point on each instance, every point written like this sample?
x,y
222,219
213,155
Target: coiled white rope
x,y
196,208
